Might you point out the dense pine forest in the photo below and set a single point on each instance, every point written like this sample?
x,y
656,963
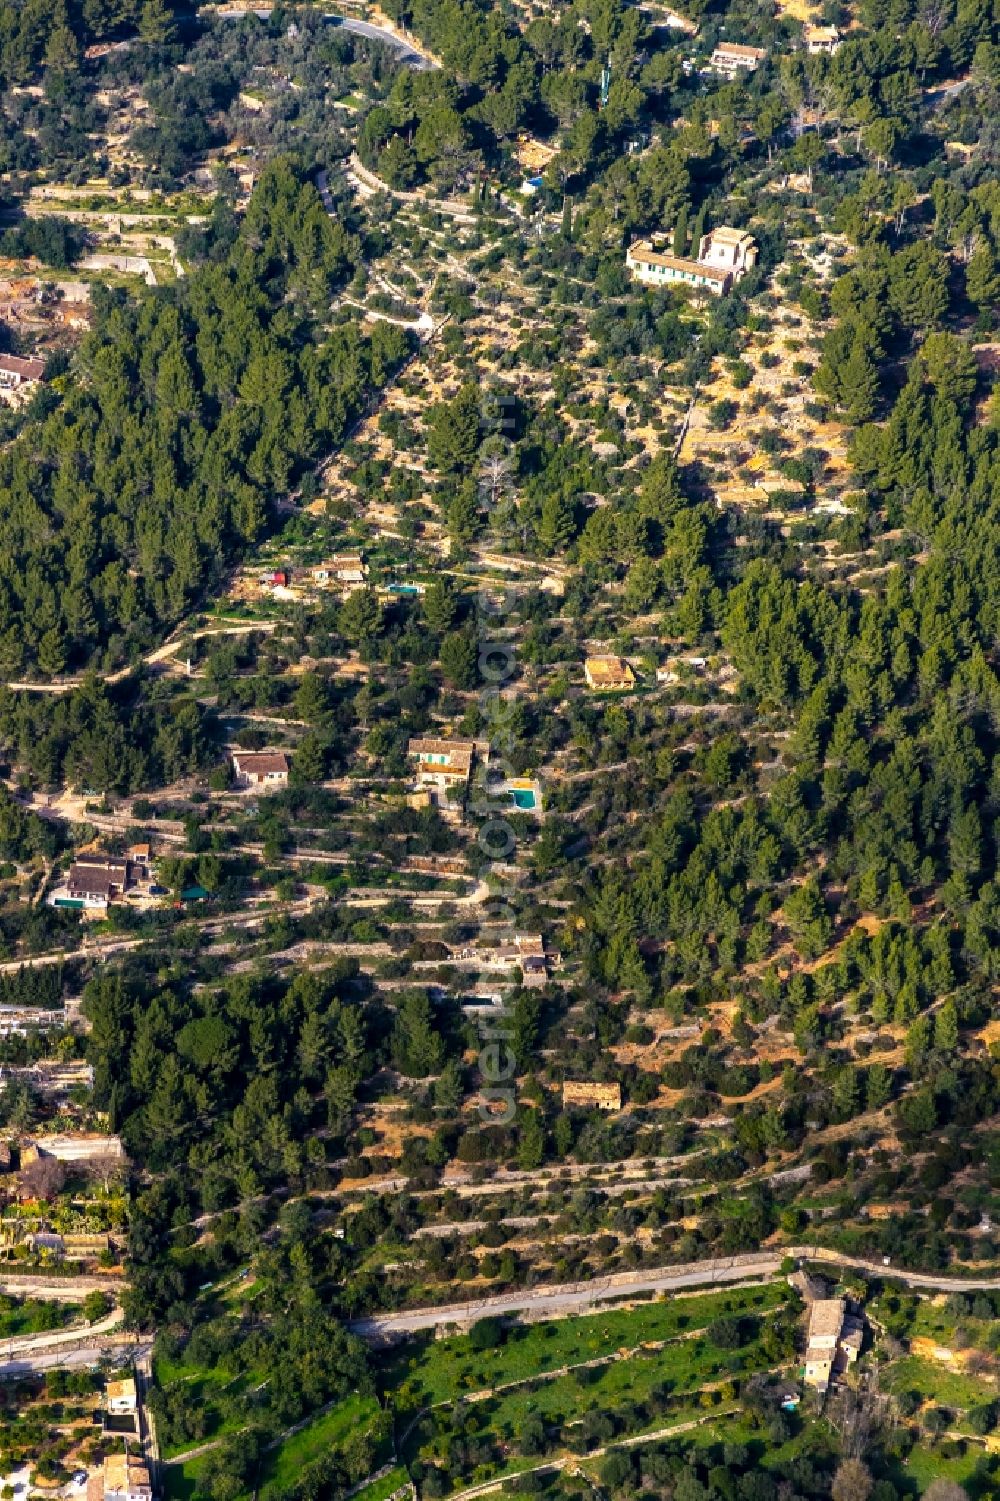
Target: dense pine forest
x,y
500,743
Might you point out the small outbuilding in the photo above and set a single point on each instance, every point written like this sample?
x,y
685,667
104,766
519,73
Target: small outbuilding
x,y
608,674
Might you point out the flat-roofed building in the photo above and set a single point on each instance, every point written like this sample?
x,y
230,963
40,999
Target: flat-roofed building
x,y
527,952
82,1148
728,250
120,1396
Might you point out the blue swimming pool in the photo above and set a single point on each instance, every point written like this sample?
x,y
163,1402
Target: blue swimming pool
x,y
525,798
404,588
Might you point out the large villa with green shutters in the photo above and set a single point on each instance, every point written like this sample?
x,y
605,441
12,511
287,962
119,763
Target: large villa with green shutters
x,y
724,258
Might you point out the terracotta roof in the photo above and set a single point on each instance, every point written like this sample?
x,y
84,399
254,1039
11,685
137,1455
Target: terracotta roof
x,y
261,763
530,943
459,752
644,254
27,369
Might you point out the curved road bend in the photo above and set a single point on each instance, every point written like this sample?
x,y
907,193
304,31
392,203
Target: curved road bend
x,y
408,52
581,1297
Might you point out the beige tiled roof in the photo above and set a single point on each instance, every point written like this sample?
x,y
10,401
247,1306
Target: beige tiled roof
x,y
459,752
826,1318
123,1472
736,49
726,235
608,670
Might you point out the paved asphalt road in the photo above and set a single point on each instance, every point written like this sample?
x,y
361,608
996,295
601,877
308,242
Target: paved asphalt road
x,y
581,1297
574,1297
68,1360
405,50
407,53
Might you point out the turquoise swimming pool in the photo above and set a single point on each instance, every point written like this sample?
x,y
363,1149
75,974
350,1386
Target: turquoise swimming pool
x,y
404,588
525,798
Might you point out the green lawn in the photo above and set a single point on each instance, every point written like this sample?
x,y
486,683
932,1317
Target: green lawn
x,y
676,1374
932,1382
285,1463
684,1413
32,1316
380,1490
444,1369
931,1320
179,1481
925,1465
915,1475
201,1384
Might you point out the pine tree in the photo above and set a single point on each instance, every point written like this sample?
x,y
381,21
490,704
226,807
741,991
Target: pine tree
x,y
156,24
946,1028
51,653
858,383
459,658
982,275
62,50
309,761
878,1087
453,432
439,606
698,229
531,1144
462,517
681,232
557,524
